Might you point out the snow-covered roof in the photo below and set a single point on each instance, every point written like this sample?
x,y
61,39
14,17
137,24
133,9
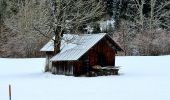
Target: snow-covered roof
x,y
68,41
73,46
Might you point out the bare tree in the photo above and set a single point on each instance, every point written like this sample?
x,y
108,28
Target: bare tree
x,y
69,15
125,36
26,40
147,24
159,12
2,10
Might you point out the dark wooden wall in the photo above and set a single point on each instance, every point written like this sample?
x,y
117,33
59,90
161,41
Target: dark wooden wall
x,y
63,68
102,54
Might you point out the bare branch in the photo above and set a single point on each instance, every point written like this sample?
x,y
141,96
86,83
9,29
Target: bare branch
x,y
45,35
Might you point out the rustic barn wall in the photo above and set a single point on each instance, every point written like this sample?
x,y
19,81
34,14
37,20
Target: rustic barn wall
x,y
63,68
93,57
77,65
102,54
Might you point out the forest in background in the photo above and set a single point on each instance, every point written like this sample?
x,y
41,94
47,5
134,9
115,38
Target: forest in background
x,y
141,27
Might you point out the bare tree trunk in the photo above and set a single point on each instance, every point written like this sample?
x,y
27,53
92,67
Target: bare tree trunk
x,y
57,43
141,13
56,29
1,25
139,6
124,39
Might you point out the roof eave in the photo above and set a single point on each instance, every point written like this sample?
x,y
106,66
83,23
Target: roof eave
x,y
118,48
62,60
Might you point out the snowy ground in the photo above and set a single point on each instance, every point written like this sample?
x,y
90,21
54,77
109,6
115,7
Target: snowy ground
x,y
141,78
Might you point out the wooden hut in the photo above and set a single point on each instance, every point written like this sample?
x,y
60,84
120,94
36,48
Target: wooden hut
x,y
82,54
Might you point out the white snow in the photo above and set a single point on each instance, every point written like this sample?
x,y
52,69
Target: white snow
x,y
141,78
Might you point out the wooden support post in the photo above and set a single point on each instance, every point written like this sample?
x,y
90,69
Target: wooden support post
x,y
9,92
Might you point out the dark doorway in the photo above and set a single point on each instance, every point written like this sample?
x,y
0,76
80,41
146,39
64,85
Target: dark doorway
x,y
101,59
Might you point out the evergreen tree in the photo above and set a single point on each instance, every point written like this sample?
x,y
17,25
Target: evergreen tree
x,y
120,9
2,10
96,28
109,7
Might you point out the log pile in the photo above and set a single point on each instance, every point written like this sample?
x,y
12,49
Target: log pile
x,y
103,71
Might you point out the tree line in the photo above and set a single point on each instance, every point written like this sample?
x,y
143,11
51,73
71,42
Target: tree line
x,y
141,27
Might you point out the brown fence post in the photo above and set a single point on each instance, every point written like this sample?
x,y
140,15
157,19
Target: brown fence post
x,y
9,92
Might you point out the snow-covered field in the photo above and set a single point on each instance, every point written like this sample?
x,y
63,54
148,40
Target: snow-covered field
x,y
141,78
